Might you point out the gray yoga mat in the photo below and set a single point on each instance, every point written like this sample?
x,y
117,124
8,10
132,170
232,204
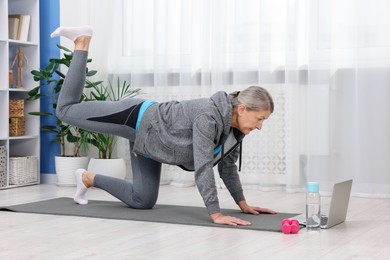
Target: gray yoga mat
x,y
160,213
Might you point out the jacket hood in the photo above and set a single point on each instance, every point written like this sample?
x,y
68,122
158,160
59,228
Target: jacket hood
x,y
223,102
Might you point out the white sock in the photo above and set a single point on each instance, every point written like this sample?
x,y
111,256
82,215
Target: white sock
x,y
81,190
72,33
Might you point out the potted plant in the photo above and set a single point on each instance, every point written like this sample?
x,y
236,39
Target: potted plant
x,y
51,80
105,143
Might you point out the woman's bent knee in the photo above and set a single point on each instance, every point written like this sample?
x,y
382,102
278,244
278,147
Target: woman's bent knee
x,y
144,203
60,113
63,115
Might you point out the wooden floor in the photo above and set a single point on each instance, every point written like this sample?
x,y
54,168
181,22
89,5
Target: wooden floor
x,y
365,235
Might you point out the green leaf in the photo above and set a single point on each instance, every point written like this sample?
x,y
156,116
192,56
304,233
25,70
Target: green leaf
x,y
57,140
49,130
63,48
36,73
72,138
62,75
91,73
68,57
49,127
40,114
50,66
34,91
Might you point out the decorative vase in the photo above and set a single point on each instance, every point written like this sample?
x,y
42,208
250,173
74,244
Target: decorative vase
x,y
110,167
65,168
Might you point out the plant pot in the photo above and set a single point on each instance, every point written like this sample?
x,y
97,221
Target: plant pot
x,y
65,168
110,167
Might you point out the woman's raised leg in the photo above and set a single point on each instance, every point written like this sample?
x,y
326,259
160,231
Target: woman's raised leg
x,y
106,117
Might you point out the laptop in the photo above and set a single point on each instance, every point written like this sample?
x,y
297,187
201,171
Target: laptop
x,y
338,206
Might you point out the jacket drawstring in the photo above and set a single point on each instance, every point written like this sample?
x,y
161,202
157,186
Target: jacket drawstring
x,y
222,155
240,158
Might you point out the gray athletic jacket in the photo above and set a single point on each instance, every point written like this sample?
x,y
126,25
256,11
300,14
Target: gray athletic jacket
x,y
188,134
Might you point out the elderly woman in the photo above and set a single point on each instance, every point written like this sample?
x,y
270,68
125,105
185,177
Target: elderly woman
x,y
194,135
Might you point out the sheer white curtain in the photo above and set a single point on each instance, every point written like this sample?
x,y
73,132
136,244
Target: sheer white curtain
x,y
346,106
326,63
340,97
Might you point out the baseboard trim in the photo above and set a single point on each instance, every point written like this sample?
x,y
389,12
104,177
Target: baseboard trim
x,y
48,178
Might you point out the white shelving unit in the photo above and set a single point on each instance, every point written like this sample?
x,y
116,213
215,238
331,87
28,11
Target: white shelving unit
x,y
28,144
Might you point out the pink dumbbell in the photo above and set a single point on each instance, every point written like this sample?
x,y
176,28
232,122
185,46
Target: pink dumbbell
x,y
290,226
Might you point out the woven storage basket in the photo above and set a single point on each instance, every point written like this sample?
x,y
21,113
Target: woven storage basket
x,y
16,108
3,166
16,126
23,170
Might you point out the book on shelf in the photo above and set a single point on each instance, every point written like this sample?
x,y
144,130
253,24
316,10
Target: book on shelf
x,y
13,26
19,26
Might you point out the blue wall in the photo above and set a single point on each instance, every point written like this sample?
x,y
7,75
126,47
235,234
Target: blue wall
x,y
49,21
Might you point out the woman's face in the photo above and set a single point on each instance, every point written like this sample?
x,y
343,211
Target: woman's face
x,y
249,120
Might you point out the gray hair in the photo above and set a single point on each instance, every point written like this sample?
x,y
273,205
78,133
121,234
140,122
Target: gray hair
x,y
254,98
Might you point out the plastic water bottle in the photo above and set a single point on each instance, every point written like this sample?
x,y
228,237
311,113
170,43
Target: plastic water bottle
x,y
313,207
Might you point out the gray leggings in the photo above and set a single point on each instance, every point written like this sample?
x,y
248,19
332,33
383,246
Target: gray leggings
x,y
110,117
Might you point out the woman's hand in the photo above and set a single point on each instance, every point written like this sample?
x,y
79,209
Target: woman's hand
x,y
253,210
218,218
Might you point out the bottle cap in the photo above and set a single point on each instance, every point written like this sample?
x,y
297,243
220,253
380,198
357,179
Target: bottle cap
x,y
312,187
